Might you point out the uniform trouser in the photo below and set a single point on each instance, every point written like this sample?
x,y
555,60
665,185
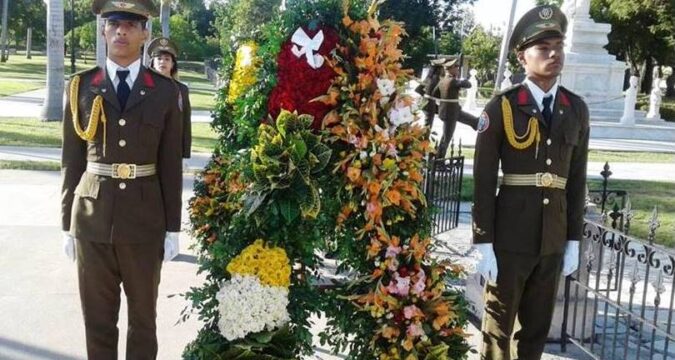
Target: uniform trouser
x,y
449,126
526,286
101,269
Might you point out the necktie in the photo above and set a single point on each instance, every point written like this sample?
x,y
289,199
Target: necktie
x,y
546,112
123,88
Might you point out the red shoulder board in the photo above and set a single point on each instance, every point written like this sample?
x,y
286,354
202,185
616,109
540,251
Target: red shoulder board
x,y
98,77
147,79
522,96
564,99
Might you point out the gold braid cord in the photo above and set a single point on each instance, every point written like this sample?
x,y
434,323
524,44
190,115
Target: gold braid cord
x,y
97,114
523,141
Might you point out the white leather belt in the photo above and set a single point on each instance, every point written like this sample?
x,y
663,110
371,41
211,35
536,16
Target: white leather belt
x,y
539,180
121,170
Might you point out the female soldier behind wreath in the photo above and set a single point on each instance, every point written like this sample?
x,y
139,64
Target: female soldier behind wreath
x,y
164,52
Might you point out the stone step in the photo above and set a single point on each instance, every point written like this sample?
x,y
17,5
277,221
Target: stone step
x,y
643,130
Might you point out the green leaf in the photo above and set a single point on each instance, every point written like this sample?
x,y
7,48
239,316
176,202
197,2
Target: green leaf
x,y
289,209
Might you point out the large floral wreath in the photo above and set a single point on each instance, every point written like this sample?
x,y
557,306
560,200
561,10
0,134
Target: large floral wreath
x,y
335,169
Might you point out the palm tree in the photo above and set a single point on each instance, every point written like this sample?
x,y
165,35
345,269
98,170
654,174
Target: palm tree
x,y
164,13
52,109
3,35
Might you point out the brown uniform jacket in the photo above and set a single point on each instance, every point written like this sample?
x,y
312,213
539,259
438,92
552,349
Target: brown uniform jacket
x,y
187,119
529,219
149,131
448,88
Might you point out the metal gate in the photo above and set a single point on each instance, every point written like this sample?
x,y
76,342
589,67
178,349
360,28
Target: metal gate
x,y
620,303
443,190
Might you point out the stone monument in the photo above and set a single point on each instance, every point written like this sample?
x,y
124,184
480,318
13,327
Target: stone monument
x,y
506,83
589,70
655,96
628,117
471,93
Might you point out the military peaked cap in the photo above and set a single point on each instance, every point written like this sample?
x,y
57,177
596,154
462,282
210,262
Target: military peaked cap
x,y
539,23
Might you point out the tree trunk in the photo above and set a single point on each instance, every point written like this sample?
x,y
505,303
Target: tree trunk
x,y
164,14
52,109
29,42
647,72
670,82
3,35
100,42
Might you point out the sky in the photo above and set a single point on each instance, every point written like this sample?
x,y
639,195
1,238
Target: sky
x,y
495,13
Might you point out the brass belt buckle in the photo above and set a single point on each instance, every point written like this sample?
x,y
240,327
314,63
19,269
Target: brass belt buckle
x,y
123,171
544,179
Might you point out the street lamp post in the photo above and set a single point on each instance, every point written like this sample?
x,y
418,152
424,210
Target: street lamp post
x,y
72,36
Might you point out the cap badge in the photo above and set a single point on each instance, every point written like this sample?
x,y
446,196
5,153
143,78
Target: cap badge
x,y
546,13
123,4
163,42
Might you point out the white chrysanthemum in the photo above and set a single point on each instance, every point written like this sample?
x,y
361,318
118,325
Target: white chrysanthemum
x,y
247,306
386,86
401,115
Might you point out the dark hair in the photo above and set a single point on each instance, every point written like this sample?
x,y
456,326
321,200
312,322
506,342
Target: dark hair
x,y
174,68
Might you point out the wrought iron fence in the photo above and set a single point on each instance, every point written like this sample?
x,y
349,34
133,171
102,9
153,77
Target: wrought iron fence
x,y
620,303
443,189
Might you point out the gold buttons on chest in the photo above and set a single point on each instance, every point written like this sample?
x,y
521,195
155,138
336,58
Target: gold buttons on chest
x,y
122,143
122,122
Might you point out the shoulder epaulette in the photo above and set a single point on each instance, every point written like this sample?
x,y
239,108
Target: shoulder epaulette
x,y
508,89
86,71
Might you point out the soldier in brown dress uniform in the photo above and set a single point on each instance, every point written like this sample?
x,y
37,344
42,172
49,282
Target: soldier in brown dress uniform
x,y
529,230
164,53
449,110
122,183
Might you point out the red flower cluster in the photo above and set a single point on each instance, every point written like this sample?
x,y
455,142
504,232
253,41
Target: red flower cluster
x,y
298,82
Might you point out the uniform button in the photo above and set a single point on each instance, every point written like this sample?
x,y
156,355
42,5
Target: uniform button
x,y
548,162
546,201
104,90
123,186
122,143
548,141
122,122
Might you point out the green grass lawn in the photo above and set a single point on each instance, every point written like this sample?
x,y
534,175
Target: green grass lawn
x,y
36,133
201,90
644,195
18,67
8,87
612,156
31,75
30,165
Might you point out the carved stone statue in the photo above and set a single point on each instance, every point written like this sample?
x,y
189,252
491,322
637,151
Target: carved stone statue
x,y
655,98
506,83
630,99
470,102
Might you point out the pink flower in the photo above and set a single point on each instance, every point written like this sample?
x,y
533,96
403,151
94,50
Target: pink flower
x,y
410,311
393,264
399,285
420,284
415,330
392,251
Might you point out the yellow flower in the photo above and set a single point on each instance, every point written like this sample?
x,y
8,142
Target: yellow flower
x,y
270,265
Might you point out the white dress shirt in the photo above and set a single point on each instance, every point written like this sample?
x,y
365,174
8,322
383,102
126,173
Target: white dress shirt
x,y
133,68
538,94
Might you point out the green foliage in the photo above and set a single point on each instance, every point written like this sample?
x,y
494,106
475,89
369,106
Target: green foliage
x,y
191,45
285,161
483,48
641,29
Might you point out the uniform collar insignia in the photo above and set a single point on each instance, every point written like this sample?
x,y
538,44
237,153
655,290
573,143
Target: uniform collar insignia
x,y
98,78
564,100
147,79
523,97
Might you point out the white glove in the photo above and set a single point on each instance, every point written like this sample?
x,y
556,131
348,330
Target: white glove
x,y
69,246
171,247
487,265
571,259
